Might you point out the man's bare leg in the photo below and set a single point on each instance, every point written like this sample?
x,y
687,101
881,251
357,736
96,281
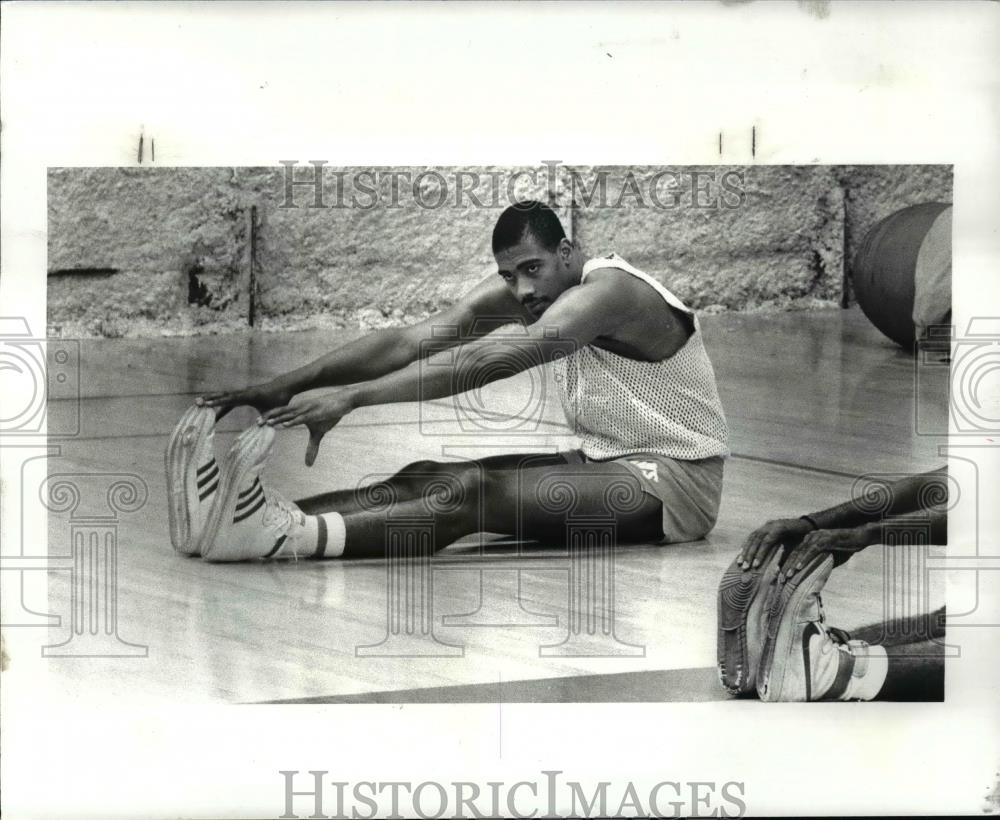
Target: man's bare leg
x,y
532,503
916,667
410,482
916,672
251,521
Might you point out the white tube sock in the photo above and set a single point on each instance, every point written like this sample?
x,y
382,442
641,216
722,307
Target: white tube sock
x,y
336,534
868,685
319,536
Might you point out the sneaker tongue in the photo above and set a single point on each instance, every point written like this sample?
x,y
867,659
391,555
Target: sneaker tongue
x,y
839,635
282,511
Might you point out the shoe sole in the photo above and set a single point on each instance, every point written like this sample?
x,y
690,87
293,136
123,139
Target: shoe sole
x,y
249,449
738,590
779,641
194,426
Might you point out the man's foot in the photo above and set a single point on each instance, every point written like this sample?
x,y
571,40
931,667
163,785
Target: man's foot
x,y
804,659
744,601
192,477
247,521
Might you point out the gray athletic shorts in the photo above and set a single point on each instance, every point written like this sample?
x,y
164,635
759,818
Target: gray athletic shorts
x,y
689,490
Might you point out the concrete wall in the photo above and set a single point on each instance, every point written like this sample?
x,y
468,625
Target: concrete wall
x,y
165,251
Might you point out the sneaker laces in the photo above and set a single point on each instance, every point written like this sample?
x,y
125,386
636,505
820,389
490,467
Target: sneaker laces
x,y
836,638
839,637
282,514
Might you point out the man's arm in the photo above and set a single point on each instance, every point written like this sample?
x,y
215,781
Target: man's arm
x,y
843,543
576,318
381,352
853,525
904,496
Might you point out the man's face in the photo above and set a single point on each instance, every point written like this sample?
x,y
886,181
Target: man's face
x,y
536,276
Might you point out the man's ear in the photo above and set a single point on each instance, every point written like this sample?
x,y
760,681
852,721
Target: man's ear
x,y
565,249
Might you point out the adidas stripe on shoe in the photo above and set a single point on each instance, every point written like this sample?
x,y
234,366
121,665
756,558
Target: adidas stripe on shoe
x,y
247,521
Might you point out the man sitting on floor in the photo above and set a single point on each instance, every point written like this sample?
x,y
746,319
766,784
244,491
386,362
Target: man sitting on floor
x,y
634,378
773,637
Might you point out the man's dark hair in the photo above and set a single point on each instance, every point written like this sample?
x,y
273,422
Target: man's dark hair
x,y
524,217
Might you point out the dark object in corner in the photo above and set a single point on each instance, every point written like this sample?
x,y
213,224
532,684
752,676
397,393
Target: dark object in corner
x,y
83,272
198,294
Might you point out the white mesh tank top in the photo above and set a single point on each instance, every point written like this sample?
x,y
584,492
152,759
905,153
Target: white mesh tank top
x,y
618,406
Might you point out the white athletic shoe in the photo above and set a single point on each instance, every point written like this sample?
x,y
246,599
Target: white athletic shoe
x,y
804,659
192,477
247,521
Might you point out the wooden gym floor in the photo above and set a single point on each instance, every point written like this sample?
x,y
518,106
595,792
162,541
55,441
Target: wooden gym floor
x,y
813,400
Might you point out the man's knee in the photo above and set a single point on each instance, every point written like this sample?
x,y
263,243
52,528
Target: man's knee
x,y
417,469
446,487
463,474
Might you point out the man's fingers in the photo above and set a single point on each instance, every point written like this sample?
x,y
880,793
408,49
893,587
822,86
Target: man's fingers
x,y
791,561
764,549
220,402
212,399
761,549
806,556
312,448
277,415
750,549
801,555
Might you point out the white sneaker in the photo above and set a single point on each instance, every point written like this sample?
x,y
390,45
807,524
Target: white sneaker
x,y
247,521
803,658
192,477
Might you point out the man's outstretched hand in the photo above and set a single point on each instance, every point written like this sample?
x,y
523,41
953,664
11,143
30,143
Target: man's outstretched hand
x,y
757,549
262,397
841,544
801,542
318,414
